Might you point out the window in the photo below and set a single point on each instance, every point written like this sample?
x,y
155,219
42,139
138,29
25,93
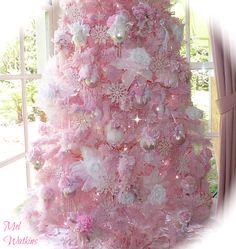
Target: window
x,y
197,49
21,64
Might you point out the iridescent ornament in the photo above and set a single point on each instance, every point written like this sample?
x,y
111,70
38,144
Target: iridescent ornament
x,y
179,136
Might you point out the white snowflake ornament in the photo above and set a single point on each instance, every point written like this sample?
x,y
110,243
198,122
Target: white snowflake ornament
x,y
99,34
157,195
117,92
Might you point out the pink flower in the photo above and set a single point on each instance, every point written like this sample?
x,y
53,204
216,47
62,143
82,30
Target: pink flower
x,y
84,223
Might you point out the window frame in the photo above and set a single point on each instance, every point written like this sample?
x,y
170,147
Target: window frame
x,y
23,77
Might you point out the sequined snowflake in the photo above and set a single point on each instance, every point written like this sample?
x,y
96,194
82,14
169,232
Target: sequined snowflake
x,y
157,195
117,92
183,165
74,13
158,63
163,147
99,34
81,121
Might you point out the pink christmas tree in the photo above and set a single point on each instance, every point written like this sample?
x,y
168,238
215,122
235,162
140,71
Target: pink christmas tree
x,y
122,162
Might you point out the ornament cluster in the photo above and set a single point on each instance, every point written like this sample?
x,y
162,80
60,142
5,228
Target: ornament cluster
x,y
122,162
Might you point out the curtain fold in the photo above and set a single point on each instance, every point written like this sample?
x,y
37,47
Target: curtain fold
x,y
225,70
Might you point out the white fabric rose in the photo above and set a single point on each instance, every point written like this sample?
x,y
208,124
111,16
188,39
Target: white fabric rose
x,y
80,33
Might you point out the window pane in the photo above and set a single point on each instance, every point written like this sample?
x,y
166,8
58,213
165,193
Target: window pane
x,y
35,114
36,44
30,48
200,84
11,121
199,42
12,178
10,56
203,97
